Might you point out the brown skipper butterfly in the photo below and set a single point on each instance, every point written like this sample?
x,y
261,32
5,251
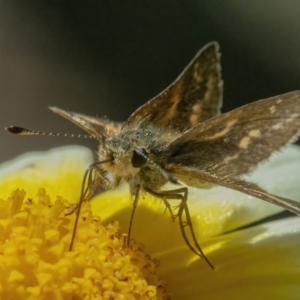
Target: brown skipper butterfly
x,y
180,136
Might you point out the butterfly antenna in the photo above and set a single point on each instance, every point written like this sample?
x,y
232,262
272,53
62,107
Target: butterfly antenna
x,y
23,131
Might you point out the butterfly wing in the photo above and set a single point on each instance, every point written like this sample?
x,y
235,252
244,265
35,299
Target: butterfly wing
x,y
195,96
234,143
196,178
94,126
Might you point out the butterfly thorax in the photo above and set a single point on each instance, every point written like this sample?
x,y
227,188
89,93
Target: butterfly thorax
x,y
137,158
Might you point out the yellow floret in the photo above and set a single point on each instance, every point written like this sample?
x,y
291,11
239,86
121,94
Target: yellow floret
x,y
35,262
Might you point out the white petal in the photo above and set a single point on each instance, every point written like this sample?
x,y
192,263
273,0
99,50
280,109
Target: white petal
x,y
255,263
49,169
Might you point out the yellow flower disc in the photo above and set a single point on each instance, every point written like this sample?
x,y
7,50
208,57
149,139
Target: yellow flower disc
x,y
36,263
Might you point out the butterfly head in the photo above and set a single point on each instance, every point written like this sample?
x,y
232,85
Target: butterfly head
x,y
127,157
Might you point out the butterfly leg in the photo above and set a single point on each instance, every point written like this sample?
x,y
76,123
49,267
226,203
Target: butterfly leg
x,y
183,212
134,206
89,184
169,209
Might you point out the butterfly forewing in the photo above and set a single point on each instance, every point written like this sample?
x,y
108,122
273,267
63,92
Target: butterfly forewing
x,y
94,126
102,125
194,97
234,143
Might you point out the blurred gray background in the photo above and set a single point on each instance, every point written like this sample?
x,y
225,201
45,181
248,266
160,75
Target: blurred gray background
x,y
109,57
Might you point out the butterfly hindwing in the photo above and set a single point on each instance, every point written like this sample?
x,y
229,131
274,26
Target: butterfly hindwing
x,y
202,179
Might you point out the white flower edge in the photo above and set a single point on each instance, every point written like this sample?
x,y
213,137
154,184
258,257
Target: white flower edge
x,y
53,157
59,170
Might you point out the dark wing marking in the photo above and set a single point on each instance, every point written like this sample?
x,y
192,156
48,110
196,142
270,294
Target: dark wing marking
x,y
196,178
235,142
94,126
195,96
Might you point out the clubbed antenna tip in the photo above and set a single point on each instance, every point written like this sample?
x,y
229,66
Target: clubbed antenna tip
x,y
15,129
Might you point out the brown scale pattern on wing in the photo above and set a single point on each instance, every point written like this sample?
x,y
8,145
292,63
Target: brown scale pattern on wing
x,y
195,96
235,142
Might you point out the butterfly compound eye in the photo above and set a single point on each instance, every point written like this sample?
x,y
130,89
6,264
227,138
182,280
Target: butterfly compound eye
x,y
139,158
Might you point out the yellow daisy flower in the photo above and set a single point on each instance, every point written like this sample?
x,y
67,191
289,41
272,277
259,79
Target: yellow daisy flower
x,y
35,237
258,262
